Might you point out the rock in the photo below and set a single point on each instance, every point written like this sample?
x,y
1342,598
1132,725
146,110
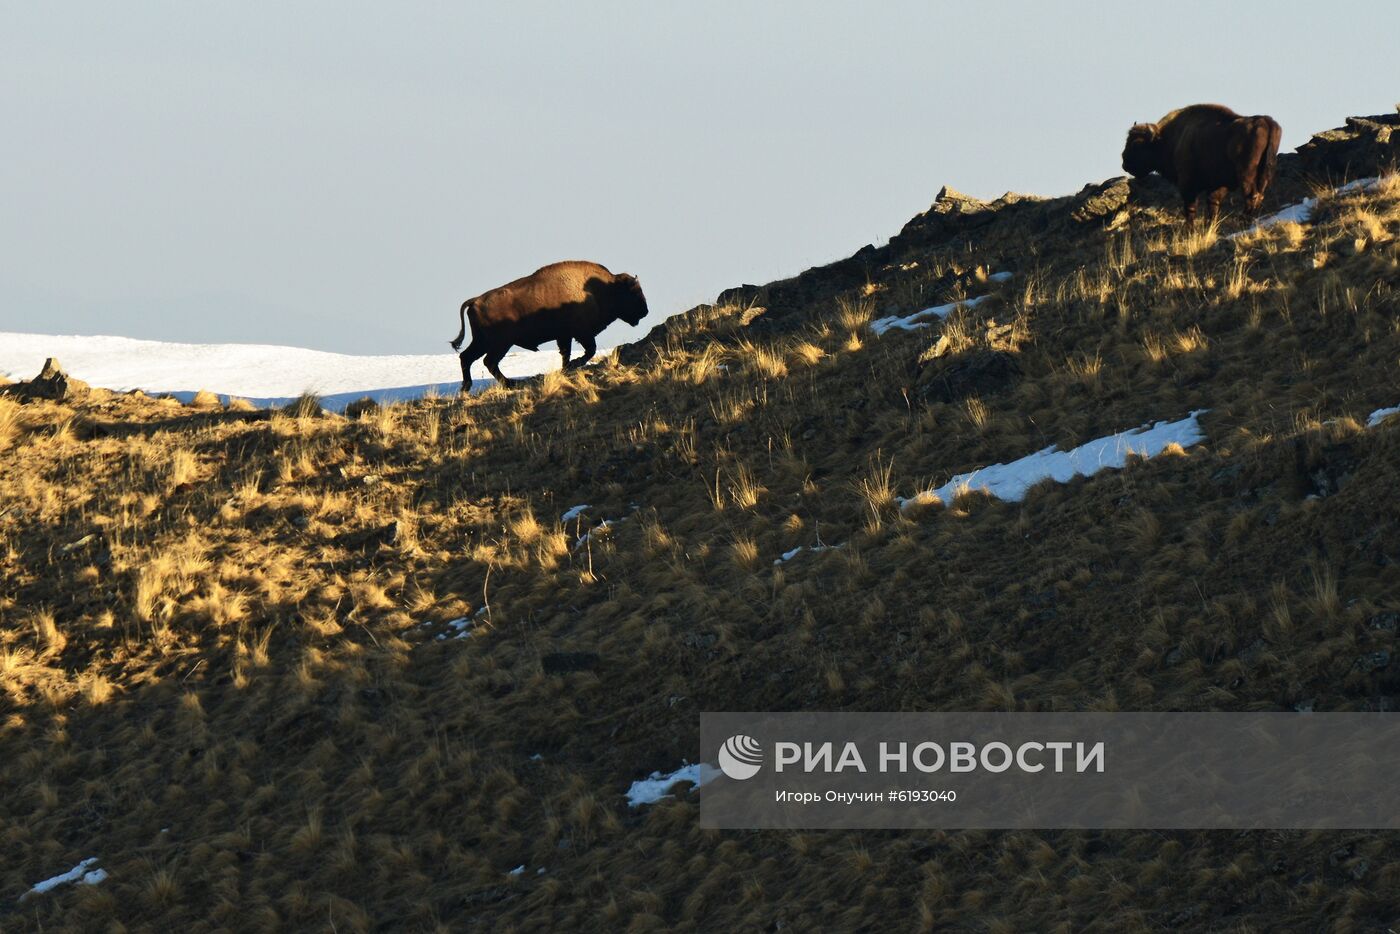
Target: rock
x,y
51,383
1184,916
1101,203
369,538
1365,146
365,406
556,663
1227,473
975,373
1001,337
1251,655
951,201
1371,661
740,295
1323,473
83,542
765,324
1385,622
1305,705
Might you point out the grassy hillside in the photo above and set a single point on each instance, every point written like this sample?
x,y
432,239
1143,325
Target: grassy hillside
x,y
307,672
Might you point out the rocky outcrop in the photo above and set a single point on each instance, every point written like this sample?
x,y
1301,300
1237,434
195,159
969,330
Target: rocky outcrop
x,y
1364,146
51,383
978,372
955,214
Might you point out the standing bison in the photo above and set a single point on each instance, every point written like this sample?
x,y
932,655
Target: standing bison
x,y
1207,149
562,302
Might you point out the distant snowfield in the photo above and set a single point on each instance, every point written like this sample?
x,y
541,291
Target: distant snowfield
x,y
264,374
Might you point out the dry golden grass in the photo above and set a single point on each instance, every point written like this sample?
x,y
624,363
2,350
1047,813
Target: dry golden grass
x,y
300,672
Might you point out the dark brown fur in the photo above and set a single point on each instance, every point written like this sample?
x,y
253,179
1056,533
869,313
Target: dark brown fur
x,y
562,302
1207,149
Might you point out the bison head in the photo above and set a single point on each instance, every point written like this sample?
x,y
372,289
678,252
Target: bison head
x,y
1140,152
628,300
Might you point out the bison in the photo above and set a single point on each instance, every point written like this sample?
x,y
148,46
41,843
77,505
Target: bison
x,y
561,302
1206,149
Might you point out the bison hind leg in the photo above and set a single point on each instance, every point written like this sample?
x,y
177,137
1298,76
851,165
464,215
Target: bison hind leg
x,y
493,363
469,356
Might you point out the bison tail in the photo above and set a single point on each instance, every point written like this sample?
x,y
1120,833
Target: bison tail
x,y
457,341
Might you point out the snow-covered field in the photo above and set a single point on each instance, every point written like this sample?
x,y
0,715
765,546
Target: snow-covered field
x,y
264,374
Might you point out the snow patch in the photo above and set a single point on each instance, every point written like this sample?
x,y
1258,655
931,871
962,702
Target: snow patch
x,y
653,788
574,512
1299,213
79,874
518,870
1371,183
912,322
1000,277
462,626
1011,481
1302,212
789,555
600,527
264,374
1380,415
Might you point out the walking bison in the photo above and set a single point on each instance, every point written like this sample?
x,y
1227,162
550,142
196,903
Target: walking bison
x,y
561,302
1206,149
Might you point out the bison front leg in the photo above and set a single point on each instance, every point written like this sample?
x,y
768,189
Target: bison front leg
x,y
493,363
589,349
1214,200
1189,206
564,344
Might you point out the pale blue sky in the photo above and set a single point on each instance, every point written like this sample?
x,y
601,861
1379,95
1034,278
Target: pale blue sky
x,y
341,175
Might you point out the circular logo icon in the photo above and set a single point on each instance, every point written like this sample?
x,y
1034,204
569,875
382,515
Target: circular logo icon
x,y
740,757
